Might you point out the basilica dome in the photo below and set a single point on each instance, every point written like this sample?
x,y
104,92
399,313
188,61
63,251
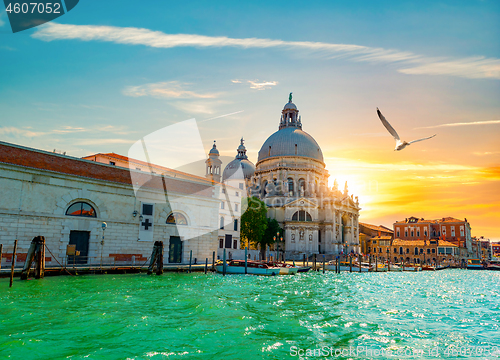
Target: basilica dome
x,y
290,139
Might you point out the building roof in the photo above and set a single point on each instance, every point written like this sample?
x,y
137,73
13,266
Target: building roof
x,y
163,169
290,141
43,160
383,237
415,220
377,227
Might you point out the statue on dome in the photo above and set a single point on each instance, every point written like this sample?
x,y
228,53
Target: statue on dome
x,y
290,97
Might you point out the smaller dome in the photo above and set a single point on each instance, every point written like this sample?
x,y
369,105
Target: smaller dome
x,y
213,150
238,169
290,105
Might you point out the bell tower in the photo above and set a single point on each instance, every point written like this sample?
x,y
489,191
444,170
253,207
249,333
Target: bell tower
x,y
213,165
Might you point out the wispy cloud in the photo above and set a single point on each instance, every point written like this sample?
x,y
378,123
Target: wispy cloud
x,y
408,63
235,81
168,89
262,85
15,131
488,122
221,116
93,141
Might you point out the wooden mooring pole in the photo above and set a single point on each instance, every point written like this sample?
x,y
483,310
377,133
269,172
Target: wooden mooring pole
x,y
246,258
224,263
206,265
156,259
1,249
13,263
303,259
190,259
213,261
350,263
315,268
323,264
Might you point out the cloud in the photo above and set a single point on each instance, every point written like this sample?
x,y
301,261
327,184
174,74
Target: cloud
x,y
488,122
103,141
169,89
262,85
236,81
409,63
14,131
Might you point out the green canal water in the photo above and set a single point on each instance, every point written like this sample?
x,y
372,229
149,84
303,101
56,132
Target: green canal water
x,y
197,316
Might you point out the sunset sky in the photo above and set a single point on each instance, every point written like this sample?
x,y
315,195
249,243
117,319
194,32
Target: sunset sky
x,y
109,73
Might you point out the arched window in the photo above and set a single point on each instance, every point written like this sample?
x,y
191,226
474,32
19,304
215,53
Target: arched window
x,y
401,250
81,208
301,215
177,219
416,251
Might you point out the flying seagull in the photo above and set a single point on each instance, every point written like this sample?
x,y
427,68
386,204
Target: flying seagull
x,y
400,145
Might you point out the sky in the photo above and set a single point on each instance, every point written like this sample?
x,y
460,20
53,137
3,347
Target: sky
x,y
107,74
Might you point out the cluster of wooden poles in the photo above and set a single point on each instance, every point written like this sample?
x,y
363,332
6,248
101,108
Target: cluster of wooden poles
x,y
36,255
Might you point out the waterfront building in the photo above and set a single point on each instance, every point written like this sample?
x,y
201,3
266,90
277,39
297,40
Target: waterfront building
x,y
67,200
450,229
291,178
371,236
417,251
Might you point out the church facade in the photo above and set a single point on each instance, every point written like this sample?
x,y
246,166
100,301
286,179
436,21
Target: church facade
x,y
291,178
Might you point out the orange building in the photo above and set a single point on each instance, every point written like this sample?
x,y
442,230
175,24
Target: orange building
x,y
372,235
455,231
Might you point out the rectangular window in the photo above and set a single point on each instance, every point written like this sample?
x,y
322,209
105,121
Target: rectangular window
x,y
428,251
412,233
147,209
449,251
235,207
221,243
112,163
222,205
235,244
241,186
223,191
425,232
452,231
433,251
397,233
462,231
440,250
229,241
235,225
237,193
406,233
443,230
418,233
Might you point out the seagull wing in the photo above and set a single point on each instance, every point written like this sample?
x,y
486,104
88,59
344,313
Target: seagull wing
x,y
388,126
414,141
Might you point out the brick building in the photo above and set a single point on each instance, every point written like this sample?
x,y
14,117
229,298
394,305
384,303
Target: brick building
x,y
455,231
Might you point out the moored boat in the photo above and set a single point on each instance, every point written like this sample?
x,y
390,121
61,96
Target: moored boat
x,y
428,268
474,264
412,268
285,269
253,268
304,269
345,266
495,267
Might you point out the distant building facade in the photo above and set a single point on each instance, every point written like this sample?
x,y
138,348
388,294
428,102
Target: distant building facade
x,y
371,237
453,230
